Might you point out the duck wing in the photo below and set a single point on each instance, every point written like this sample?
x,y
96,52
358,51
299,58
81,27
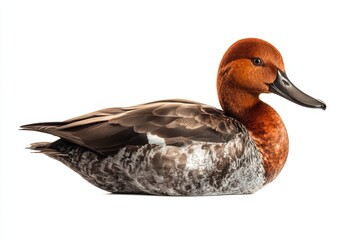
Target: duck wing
x,y
172,122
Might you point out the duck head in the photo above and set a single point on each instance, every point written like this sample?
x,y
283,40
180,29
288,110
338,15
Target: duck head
x,y
253,66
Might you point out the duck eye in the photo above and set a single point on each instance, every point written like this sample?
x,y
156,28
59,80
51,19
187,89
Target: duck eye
x,y
257,61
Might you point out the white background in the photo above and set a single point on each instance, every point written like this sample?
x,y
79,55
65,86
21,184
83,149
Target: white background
x,y
60,59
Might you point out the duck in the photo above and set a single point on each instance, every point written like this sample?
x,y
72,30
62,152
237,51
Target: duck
x,y
179,147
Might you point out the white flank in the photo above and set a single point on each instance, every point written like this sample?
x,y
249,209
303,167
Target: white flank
x,y
153,139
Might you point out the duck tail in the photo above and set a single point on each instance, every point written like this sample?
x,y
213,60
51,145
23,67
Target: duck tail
x,y
39,146
42,147
45,148
54,128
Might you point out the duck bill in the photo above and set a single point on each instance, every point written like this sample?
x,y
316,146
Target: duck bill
x,y
283,87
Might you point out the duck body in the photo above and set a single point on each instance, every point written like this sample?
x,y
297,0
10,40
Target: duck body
x,y
180,147
192,149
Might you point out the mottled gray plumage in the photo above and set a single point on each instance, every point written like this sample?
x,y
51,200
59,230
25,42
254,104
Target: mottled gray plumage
x,y
203,152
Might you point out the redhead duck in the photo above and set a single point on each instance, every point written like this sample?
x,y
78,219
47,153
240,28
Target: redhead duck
x,y
181,147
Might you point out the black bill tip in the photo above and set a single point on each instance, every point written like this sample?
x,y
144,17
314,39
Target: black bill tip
x,y
322,105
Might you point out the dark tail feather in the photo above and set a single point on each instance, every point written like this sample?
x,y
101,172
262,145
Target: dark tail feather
x,y
44,147
39,146
54,128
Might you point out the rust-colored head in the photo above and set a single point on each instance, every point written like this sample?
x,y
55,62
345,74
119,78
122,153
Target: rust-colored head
x,y
250,64
253,66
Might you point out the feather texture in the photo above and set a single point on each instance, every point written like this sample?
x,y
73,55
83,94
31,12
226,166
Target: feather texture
x,y
106,131
171,147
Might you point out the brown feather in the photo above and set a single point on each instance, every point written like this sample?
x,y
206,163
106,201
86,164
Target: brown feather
x,y
107,130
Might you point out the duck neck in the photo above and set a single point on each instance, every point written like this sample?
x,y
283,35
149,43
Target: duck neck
x,y
264,126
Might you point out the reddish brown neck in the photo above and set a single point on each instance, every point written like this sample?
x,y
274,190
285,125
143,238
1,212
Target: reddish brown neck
x,y
264,125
